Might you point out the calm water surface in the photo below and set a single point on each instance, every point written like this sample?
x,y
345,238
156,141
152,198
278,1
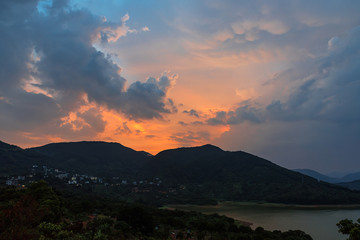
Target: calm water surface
x,y
319,222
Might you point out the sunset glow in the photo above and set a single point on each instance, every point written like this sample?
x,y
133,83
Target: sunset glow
x,y
277,79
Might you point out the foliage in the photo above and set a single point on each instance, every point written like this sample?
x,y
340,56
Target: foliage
x,y
348,227
40,212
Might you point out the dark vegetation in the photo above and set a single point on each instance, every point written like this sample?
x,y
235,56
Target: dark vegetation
x,y
198,175
240,176
348,227
40,212
94,158
354,185
14,160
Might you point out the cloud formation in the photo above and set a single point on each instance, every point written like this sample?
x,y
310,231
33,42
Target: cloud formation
x,y
244,112
325,89
190,138
192,112
316,122
50,67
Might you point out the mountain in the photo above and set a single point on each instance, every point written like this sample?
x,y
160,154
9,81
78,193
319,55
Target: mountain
x,y
351,177
240,176
318,176
14,160
94,158
321,177
354,185
205,173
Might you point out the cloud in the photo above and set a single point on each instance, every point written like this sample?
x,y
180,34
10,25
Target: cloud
x,y
148,100
123,129
223,35
182,123
145,29
192,112
190,138
219,119
50,67
244,112
312,120
84,123
250,29
27,110
321,89
326,90
333,42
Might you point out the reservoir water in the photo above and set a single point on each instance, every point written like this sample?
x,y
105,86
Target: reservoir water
x,y
319,222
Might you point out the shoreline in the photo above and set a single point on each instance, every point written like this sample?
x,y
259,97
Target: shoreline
x,y
265,205
174,207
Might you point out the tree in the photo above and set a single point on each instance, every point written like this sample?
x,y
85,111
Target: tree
x,y
348,227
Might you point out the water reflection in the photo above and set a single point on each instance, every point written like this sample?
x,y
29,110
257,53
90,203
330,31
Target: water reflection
x,y
319,222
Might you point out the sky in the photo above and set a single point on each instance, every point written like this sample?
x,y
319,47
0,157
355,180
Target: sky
x,y
279,79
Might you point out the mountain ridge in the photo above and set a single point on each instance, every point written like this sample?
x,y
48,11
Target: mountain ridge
x,y
205,172
104,157
322,177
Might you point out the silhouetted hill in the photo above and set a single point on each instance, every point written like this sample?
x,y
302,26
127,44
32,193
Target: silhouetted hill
x,y
94,158
14,160
7,147
194,174
240,176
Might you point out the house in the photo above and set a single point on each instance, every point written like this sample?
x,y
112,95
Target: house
x,y
62,175
10,182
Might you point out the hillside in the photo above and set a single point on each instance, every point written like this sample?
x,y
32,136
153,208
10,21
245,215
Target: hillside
x,y
94,158
204,174
14,160
354,185
239,176
40,212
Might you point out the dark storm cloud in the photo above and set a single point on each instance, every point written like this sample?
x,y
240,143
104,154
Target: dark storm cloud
x,y
243,112
27,110
148,99
48,64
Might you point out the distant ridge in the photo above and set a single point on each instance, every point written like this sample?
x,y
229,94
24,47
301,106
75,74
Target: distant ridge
x,y
94,157
317,175
321,177
5,146
240,176
201,174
